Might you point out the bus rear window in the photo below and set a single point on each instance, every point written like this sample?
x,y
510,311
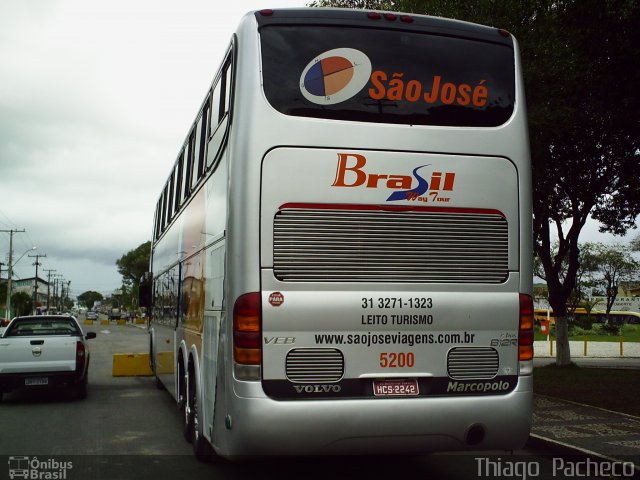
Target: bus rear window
x,y
384,76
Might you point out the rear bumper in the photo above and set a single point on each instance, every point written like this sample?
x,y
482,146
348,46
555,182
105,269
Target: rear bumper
x,y
11,381
262,426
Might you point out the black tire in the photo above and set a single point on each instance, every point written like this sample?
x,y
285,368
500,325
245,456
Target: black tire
x,y
184,401
82,387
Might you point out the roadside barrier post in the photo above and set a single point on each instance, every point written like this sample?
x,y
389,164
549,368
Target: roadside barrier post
x,y
585,345
621,347
550,345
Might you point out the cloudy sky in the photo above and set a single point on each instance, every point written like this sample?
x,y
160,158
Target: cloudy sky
x,y
95,99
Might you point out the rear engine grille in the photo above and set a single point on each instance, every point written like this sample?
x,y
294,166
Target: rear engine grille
x,y
472,363
370,245
315,365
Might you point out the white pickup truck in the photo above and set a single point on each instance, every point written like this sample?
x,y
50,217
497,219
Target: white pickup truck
x,y
44,350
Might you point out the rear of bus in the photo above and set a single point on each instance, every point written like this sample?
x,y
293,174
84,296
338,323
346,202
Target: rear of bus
x,y
393,311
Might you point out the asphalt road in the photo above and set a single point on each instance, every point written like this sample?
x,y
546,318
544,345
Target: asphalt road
x,y
127,428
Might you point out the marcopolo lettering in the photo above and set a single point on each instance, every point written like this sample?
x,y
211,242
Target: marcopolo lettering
x,y
317,388
477,387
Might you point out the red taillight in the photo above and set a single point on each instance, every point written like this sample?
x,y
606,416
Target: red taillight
x,y
390,16
504,32
247,329
80,353
525,334
406,19
267,12
374,15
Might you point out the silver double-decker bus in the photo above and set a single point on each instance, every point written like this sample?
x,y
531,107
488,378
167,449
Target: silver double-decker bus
x,y
341,256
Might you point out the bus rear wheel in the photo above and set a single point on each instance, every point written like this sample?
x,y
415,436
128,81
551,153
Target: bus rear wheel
x,y
184,405
202,449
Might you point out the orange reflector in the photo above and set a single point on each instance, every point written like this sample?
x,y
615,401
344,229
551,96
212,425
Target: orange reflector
x,y
525,352
247,356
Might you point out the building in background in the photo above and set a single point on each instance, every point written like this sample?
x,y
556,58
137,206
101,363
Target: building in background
x,y
28,286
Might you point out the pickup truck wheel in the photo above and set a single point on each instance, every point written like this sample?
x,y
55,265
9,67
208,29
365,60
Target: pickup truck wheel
x,y
81,388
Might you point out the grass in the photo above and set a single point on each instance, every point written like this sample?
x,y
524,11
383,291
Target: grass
x,y
598,333
613,389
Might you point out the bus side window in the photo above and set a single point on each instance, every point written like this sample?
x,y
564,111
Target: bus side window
x,y
163,207
219,114
170,200
188,168
192,160
204,124
178,187
156,232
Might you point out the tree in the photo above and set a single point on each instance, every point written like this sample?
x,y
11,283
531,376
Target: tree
x,y
3,292
134,263
21,303
587,264
585,141
613,264
89,298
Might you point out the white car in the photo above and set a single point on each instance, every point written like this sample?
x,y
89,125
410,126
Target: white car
x,y
42,351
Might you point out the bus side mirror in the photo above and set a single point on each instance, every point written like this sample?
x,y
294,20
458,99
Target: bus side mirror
x,y
144,296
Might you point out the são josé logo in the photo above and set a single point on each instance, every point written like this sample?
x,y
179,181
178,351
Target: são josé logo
x,y
335,76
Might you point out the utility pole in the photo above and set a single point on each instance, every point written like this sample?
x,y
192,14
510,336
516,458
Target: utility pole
x,y
61,296
68,290
37,256
1,264
48,286
10,265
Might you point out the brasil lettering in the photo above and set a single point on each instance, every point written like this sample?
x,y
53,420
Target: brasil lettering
x,y
350,173
447,93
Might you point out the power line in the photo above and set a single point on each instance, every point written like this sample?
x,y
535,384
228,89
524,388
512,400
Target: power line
x,y
11,222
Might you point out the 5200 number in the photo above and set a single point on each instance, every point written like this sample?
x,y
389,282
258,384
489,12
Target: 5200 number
x,y
397,359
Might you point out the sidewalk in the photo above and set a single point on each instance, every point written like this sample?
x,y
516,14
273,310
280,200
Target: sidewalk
x,y
593,431
541,349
